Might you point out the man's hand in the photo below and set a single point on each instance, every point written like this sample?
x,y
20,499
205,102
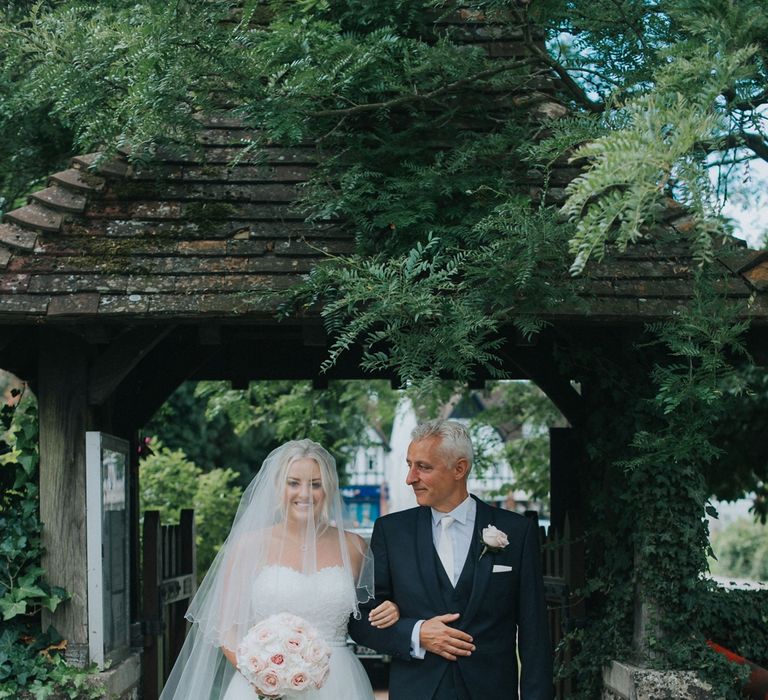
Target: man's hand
x,y
448,642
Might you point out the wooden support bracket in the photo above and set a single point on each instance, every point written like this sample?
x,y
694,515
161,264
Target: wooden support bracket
x,y
119,359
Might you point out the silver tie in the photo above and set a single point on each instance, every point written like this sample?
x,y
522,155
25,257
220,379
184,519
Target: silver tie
x,y
445,547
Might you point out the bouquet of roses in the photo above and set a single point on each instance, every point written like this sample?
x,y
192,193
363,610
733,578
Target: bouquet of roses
x,y
283,653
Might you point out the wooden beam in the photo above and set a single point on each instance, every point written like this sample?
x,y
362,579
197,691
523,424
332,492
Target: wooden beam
x,y
120,358
538,365
209,334
7,336
64,418
152,382
313,335
566,452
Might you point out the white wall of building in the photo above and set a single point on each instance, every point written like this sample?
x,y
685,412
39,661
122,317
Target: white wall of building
x,y
400,494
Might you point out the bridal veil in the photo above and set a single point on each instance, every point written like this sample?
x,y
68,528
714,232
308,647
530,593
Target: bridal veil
x,y
290,519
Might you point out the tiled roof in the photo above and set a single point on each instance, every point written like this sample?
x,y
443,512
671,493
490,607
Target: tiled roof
x,y
197,237
652,280
191,236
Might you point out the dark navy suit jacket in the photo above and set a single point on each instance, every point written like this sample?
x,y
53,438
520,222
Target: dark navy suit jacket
x,y
505,610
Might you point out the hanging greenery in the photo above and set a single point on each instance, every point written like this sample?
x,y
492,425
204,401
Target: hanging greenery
x,y
443,161
649,448
31,661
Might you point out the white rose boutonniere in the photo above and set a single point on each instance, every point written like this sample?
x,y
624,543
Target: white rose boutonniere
x,y
494,540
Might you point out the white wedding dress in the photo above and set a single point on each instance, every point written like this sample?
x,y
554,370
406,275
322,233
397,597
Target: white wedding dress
x,y
322,599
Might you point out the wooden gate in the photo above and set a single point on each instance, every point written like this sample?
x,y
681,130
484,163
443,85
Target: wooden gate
x,y
563,568
169,582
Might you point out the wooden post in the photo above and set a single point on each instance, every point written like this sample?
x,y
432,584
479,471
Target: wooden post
x,y
565,459
187,564
151,676
64,419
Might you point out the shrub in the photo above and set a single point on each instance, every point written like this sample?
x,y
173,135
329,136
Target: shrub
x,y
170,481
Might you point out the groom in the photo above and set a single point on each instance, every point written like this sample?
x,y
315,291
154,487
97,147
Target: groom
x,y
469,596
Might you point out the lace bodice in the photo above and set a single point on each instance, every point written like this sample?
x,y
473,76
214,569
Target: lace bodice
x,y
324,598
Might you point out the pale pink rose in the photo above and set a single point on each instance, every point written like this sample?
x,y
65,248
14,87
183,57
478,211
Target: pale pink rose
x,y
264,634
322,677
494,538
257,664
267,681
277,659
299,681
316,653
295,642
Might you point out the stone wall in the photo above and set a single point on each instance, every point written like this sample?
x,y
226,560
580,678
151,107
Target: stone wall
x,y
623,681
118,683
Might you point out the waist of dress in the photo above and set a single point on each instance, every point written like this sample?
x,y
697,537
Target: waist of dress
x,y
337,643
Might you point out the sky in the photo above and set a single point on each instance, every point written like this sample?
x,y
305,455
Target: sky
x,y
749,207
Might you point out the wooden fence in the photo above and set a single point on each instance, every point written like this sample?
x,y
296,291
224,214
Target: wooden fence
x,y
169,581
563,567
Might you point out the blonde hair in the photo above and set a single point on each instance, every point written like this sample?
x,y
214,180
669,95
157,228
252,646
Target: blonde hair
x,y
307,449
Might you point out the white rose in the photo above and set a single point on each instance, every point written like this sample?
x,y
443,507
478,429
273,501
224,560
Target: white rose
x,y
495,538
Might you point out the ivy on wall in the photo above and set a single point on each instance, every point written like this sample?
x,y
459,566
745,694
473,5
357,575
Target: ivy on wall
x,y
650,444
30,661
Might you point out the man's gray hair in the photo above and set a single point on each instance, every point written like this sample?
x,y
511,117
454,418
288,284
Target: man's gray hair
x,y
455,441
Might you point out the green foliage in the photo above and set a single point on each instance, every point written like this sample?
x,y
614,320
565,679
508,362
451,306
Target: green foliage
x,y
738,620
435,311
672,456
741,549
649,513
28,658
209,440
217,426
170,482
522,406
742,466
336,417
32,145
630,172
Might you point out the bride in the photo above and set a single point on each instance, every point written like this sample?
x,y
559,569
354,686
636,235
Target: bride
x,y
286,552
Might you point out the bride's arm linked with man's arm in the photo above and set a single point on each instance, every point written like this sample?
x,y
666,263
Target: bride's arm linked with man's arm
x,y
395,638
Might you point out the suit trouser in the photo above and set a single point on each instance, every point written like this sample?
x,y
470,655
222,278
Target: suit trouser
x,y
451,686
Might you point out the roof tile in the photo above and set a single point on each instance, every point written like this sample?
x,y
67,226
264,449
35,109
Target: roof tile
x,y
212,231
60,199
741,259
74,179
36,216
23,304
14,283
17,239
123,304
73,304
757,275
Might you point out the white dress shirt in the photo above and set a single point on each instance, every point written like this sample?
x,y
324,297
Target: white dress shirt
x,y
462,531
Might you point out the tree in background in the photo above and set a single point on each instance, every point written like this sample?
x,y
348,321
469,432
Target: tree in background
x,y
216,425
429,149
169,482
741,549
213,439
525,413
183,423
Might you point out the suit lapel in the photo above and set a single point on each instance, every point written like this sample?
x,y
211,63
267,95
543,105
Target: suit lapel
x,y
483,567
425,549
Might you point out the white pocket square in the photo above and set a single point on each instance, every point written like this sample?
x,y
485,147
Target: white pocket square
x,y
497,568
